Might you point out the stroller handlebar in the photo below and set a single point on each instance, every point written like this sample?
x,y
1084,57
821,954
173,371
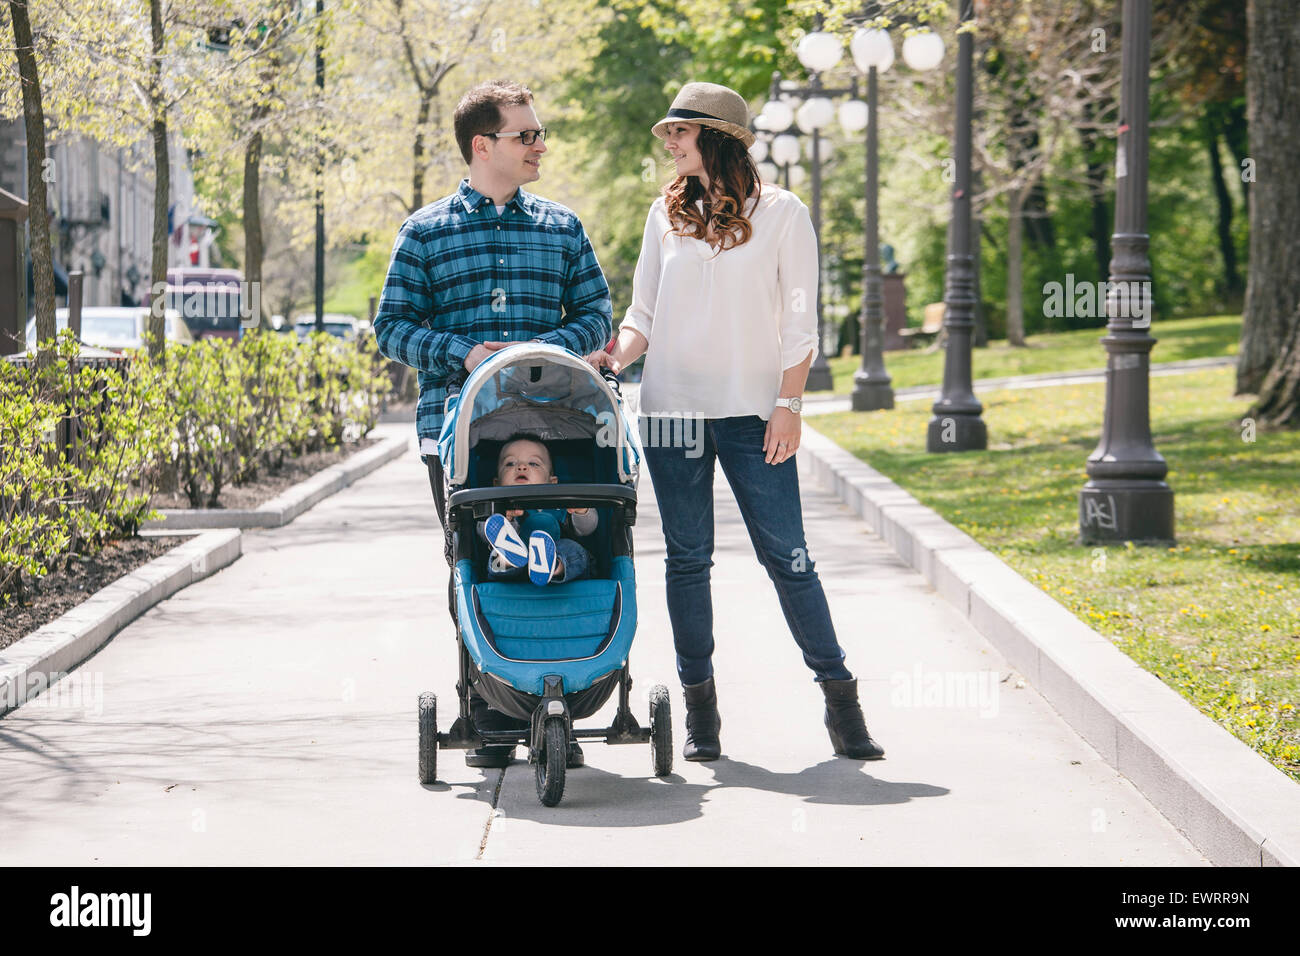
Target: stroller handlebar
x,y
484,501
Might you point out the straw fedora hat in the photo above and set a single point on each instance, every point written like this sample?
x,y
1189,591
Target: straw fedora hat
x,y
709,104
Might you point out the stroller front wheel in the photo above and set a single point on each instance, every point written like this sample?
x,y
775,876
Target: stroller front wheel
x,y
551,761
661,731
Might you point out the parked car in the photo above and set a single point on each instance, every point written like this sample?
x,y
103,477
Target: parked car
x,y
338,324
117,327
210,300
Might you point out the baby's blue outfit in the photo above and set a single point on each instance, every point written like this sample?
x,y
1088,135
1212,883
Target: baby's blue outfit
x,y
577,562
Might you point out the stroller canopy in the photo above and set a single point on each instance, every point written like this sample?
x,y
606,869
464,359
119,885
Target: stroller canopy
x,y
541,389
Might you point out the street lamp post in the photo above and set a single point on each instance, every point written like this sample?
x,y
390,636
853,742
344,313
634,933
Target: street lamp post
x,y
873,53
872,388
957,425
818,51
1126,497
776,145
320,178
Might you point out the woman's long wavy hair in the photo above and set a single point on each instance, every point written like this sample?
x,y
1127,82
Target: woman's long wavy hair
x,y
732,177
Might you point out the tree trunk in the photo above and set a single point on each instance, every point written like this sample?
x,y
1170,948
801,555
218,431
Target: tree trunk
x,y
1227,250
38,219
417,170
980,334
1236,136
162,183
1101,218
1015,267
1273,287
254,249
1279,397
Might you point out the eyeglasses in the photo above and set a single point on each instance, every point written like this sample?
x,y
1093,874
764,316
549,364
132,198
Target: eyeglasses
x,y
526,136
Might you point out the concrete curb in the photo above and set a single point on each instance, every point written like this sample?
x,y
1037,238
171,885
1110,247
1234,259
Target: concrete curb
x,y
27,664
286,506
1234,806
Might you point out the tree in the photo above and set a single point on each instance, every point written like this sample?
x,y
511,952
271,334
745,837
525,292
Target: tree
x,y
1209,78
1269,358
264,94
38,217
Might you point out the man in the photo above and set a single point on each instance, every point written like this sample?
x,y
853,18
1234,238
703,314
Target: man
x,y
483,268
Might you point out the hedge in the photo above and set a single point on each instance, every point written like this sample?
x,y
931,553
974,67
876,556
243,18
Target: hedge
x,y
83,448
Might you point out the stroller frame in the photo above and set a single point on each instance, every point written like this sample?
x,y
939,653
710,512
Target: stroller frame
x,y
550,715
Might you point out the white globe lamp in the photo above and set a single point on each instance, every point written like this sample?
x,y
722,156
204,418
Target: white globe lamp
x,y
819,51
816,113
923,51
872,48
853,116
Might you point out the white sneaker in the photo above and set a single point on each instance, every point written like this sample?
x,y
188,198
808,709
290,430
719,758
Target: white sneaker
x,y
505,541
541,558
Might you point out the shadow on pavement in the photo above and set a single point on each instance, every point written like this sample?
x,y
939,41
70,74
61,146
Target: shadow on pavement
x,y
598,798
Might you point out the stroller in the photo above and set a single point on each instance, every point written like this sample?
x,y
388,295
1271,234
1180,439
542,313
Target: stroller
x,y
546,655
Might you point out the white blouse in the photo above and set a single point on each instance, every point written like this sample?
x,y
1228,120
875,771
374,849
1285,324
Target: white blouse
x,y
722,327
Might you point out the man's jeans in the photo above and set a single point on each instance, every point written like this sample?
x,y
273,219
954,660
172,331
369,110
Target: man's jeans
x,y
768,496
551,520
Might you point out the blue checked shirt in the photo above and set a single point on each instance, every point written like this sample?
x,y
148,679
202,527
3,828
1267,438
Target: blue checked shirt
x,y
461,274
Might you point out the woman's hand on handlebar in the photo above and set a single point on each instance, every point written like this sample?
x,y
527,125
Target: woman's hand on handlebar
x,y
602,359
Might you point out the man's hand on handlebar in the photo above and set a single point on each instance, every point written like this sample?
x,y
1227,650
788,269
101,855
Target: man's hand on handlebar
x,y
481,352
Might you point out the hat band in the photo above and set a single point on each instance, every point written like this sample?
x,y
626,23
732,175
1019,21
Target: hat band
x,y
678,113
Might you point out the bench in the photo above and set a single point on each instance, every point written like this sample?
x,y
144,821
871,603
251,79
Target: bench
x,y
931,326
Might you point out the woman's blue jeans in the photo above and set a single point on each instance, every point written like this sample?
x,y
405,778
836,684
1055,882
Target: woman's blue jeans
x,y
768,496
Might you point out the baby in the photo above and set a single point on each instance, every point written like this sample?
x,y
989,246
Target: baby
x,y
549,555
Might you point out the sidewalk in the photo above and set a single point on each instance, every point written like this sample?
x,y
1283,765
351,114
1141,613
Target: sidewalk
x,y
267,715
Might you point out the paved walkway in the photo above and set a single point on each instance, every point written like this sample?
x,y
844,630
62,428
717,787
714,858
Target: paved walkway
x,y
266,715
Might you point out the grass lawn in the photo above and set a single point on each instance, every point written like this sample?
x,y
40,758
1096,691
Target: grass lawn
x,y
1179,339
1217,617
356,280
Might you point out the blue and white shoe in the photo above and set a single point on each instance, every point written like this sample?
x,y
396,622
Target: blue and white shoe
x,y
541,558
505,540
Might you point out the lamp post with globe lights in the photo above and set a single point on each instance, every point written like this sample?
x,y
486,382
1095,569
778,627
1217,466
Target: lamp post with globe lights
x,y
873,53
818,51
957,425
776,148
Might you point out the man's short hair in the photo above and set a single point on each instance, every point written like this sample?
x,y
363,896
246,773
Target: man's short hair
x,y
479,110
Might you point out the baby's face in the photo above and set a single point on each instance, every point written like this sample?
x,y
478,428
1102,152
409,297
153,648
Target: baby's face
x,y
524,463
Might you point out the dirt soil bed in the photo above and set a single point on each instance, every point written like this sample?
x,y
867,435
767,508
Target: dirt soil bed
x,y
61,591
268,486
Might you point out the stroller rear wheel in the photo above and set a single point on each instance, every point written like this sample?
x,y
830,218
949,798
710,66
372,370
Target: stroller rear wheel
x,y
428,737
551,761
661,731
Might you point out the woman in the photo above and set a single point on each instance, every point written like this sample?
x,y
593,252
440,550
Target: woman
x,y
724,306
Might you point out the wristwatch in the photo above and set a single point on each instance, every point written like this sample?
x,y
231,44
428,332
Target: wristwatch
x,y
794,404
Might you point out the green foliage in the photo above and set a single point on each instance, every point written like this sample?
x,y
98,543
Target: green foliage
x,y
75,448
31,482
82,449
1215,617
242,409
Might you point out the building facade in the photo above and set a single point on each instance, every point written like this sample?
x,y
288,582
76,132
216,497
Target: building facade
x,y
101,202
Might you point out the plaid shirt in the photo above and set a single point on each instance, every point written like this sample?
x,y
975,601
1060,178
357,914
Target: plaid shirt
x,y
461,274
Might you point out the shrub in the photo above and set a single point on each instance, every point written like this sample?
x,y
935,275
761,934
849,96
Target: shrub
x,y
83,446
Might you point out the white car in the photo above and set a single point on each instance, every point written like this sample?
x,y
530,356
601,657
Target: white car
x,y
117,327
338,324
